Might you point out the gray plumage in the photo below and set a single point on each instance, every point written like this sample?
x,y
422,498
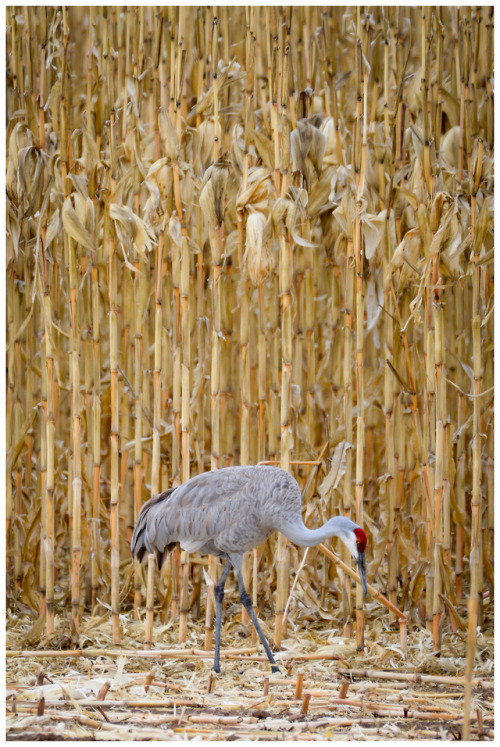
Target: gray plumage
x,y
229,511
224,511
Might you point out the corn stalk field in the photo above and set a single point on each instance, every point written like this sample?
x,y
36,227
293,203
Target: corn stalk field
x,y
239,235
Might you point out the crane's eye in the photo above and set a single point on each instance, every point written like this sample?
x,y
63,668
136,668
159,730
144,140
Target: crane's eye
x,y
360,539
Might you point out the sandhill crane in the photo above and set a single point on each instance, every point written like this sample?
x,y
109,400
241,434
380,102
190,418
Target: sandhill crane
x,y
229,511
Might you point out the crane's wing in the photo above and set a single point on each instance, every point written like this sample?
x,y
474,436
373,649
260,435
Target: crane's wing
x,y
179,515
224,511
140,542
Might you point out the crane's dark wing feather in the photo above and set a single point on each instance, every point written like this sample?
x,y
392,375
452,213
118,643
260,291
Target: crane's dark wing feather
x,y
139,544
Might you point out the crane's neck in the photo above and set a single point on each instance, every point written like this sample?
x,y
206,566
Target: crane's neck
x,y
338,526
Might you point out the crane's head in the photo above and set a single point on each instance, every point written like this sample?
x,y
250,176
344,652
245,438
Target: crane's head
x,y
354,537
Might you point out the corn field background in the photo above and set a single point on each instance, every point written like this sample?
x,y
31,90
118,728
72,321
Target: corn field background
x,y
237,235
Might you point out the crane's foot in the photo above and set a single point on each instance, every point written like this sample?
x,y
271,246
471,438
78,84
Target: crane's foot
x,y
275,670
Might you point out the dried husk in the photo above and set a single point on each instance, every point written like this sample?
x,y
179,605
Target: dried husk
x,y
259,256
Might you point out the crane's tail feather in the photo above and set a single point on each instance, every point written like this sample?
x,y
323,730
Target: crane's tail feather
x,y
138,544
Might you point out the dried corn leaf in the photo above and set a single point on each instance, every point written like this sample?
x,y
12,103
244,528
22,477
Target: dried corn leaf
x,y
131,230
74,226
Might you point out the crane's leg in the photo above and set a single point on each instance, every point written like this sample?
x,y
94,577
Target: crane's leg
x,y
247,603
219,596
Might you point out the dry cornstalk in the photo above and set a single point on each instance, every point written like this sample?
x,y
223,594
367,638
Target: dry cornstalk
x,y
360,170
285,267
139,307
148,631
407,119
474,606
347,380
114,515
48,538
416,677
77,467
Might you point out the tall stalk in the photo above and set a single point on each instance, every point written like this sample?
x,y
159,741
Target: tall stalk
x,y
186,356
139,304
96,414
155,460
11,436
347,378
50,446
177,365
216,250
285,272
185,362
360,170
115,410
76,417
285,286
213,207
42,577
440,434
16,418
461,408
158,320
186,367
474,606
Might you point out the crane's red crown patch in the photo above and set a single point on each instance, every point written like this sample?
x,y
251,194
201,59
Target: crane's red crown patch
x,y
361,539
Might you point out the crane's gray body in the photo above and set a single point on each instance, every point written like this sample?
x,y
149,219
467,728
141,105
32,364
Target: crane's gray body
x,y
222,512
228,511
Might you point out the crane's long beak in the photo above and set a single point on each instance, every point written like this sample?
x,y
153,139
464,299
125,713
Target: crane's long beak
x,y
362,571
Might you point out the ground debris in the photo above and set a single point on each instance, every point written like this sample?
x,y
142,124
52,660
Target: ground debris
x,y
108,694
